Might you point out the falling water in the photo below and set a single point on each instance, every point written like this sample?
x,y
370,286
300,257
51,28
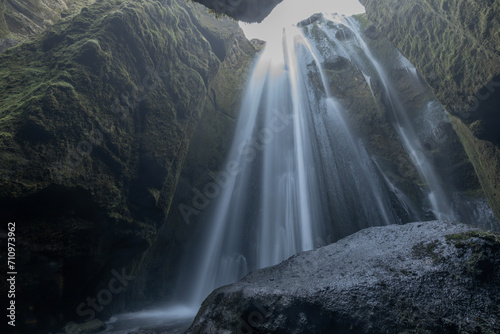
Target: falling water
x,y
415,126
302,177
296,176
358,52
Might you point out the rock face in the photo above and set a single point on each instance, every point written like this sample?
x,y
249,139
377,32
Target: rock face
x,y
455,45
96,117
244,10
21,19
432,277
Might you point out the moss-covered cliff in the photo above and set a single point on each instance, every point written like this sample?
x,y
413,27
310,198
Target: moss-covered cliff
x,y
455,45
21,20
96,116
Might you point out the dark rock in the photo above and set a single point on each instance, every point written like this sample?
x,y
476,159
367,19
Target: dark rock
x,y
98,116
337,63
258,43
25,19
477,129
372,32
244,10
432,277
92,326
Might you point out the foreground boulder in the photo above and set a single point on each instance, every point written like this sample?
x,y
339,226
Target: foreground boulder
x,y
431,277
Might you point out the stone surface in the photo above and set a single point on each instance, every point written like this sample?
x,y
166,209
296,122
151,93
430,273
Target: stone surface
x,y
243,10
430,277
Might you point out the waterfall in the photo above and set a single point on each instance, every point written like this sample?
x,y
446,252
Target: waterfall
x,y
362,56
418,128
301,176
298,176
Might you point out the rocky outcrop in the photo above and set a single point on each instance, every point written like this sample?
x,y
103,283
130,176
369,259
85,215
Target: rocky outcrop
x,y
96,116
243,10
432,277
455,45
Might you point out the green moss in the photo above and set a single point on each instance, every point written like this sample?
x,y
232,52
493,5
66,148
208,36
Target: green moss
x,y
363,21
455,57
4,29
485,157
464,238
101,99
29,18
428,250
478,247
108,102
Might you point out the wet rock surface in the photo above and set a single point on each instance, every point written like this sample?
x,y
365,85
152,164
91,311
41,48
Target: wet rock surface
x,y
431,277
314,18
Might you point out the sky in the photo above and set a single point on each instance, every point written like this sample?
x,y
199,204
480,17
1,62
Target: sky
x,y
290,12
